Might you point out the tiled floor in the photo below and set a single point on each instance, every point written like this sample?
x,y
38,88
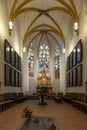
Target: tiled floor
x,y
67,117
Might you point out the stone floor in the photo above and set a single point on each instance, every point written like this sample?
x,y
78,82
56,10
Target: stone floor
x,y
42,124
67,117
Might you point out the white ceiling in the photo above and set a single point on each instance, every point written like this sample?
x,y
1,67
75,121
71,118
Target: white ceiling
x,y
49,20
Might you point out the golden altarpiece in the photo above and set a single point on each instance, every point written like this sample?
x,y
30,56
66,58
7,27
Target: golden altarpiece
x,y
44,80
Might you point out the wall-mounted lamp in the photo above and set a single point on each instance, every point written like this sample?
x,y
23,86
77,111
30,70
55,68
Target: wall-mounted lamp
x,y
63,51
10,26
76,26
24,49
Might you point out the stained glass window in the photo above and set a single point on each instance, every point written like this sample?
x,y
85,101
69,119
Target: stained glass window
x,y
44,58
31,63
57,62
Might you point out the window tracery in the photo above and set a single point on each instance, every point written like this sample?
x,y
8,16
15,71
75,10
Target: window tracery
x,y
31,63
44,58
57,62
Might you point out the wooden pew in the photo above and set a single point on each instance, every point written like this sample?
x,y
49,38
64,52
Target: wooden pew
x,y
8,100
58,97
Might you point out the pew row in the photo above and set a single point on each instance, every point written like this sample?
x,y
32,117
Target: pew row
x,y
58,97
78,100
8,100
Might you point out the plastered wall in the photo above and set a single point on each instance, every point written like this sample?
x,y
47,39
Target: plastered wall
x,y
73,39
13,39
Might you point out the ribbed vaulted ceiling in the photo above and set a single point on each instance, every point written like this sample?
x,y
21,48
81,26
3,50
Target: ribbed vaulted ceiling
x,y
43,17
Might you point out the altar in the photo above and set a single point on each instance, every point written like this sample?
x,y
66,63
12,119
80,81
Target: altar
x,y
44,80
43,87
39,89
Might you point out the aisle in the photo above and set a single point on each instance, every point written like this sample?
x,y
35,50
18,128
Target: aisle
x,y
67,117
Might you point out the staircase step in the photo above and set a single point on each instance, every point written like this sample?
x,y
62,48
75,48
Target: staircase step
x,y
34,96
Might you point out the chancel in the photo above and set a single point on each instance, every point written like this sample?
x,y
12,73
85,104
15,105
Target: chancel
x,y
43,60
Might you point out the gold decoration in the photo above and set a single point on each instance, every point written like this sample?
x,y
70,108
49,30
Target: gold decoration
x,y
44,80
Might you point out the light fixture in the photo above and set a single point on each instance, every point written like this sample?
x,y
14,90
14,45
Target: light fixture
x,y
10,25
76,26
63,51
24,49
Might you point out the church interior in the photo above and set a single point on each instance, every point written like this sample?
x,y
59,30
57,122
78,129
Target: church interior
x,y
43,62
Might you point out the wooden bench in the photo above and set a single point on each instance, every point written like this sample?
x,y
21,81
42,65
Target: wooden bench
x,y
8,100
81,102
78,100
58,97
68,97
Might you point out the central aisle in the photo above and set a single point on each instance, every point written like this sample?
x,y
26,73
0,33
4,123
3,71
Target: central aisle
x,y
67,117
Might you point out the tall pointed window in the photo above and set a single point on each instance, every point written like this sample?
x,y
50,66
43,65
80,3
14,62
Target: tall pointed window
x,y
31,63
57,62
44,58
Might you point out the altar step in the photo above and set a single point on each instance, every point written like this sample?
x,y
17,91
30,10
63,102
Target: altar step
x,y
35,96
